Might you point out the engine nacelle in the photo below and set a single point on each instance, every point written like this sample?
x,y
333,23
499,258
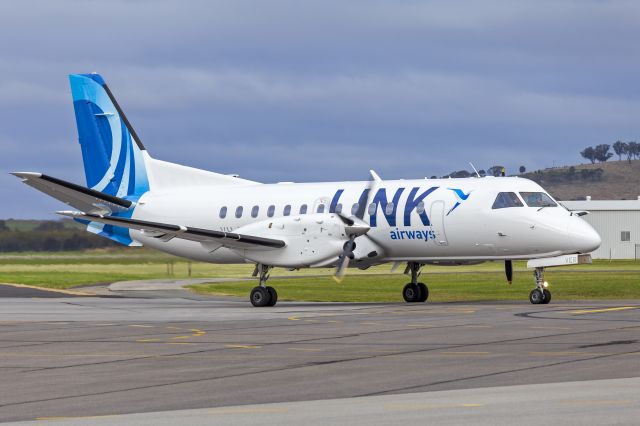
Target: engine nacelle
x,y
310,240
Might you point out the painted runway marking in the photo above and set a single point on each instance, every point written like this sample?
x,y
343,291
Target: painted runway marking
x,y
242,347
595,311
75,418
465,353
550,328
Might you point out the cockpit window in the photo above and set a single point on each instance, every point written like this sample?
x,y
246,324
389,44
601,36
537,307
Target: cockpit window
x,y
507,199
538,199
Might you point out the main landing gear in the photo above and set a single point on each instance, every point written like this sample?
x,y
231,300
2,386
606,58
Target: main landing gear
x,y
540,294
263,295
414,291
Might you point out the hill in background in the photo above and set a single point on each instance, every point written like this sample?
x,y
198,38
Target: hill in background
x,y
612,180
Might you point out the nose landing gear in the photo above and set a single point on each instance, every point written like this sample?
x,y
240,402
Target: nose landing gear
x,y
263,295
540,294
414,291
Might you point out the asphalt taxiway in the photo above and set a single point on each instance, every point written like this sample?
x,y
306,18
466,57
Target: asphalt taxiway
x,y
76,358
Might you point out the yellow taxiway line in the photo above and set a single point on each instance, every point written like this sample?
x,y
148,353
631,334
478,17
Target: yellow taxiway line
x,y
54,290
595,311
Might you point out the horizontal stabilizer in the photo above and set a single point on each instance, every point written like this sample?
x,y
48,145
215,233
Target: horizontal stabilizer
x,y
167,231
79,197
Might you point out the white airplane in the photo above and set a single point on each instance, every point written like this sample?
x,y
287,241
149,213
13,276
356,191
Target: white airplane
x,y
137,200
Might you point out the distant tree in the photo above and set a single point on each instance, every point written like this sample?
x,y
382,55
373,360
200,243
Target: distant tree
x,y
602,152
3,226
495,170
522,169
589,153
482,172
433,177
633,149
50,225
620,149
459,174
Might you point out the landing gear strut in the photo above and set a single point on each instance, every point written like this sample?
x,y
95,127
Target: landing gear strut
x,y
263,295
414,291
540,294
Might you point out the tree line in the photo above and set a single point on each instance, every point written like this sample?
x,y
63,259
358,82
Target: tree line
x,y
49,236
601,153
491,171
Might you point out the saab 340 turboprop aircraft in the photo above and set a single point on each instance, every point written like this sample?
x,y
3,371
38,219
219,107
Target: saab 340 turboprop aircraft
x,y
137,200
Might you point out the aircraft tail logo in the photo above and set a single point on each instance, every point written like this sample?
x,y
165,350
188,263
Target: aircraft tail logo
x,y
112,153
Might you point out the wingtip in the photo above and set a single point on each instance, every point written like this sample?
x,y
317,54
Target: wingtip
x,y
69,213
26,175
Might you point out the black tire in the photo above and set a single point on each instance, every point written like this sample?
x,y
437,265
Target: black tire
x,y
411,293
536,297
273,294
424,292
260,297
547,296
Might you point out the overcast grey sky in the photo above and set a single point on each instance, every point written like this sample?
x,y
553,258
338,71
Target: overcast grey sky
x,y
320,90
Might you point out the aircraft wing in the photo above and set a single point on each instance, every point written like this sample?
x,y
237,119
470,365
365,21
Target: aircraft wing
x,y
166,231
79,197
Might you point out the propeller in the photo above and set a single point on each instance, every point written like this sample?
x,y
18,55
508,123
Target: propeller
x,y
508,269
354,227
343,262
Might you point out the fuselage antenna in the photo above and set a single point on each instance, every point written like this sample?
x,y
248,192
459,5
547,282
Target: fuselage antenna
x,y
474,169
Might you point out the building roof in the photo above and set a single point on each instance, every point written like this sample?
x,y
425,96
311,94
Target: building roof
x,y
610,205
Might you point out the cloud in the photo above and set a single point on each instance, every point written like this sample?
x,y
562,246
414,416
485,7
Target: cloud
x,y
321,90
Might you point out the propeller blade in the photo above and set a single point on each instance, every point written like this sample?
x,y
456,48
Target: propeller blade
x,y
355,227
341,270
346,255
508,269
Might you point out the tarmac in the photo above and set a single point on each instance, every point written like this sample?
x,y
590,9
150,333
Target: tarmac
x,y
164,356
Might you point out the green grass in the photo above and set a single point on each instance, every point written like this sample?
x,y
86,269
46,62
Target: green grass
x,y
603,279
443,287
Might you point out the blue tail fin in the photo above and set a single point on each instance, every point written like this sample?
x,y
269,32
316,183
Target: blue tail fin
x,y
114,157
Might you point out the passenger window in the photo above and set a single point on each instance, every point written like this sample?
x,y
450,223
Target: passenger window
x,y
339,208
223,212
538,199
303,209
507,199
271,210
320,208
355,208
420,207
287,210
372,209
239,212
254,211
389,209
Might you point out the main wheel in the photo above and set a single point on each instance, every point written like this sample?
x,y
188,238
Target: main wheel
x,y
273,294
411,293
260,296
424,292
536,297
547,296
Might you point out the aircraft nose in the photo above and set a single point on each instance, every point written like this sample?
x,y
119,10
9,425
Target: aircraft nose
x,y
583,236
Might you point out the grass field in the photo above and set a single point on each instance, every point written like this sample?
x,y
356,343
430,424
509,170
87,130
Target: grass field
x,y
602,280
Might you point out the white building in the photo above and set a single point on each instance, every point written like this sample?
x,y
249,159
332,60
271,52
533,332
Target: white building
x,y
617,222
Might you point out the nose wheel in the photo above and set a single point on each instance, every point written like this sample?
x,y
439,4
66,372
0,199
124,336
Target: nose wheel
x,y
540,295
415,291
